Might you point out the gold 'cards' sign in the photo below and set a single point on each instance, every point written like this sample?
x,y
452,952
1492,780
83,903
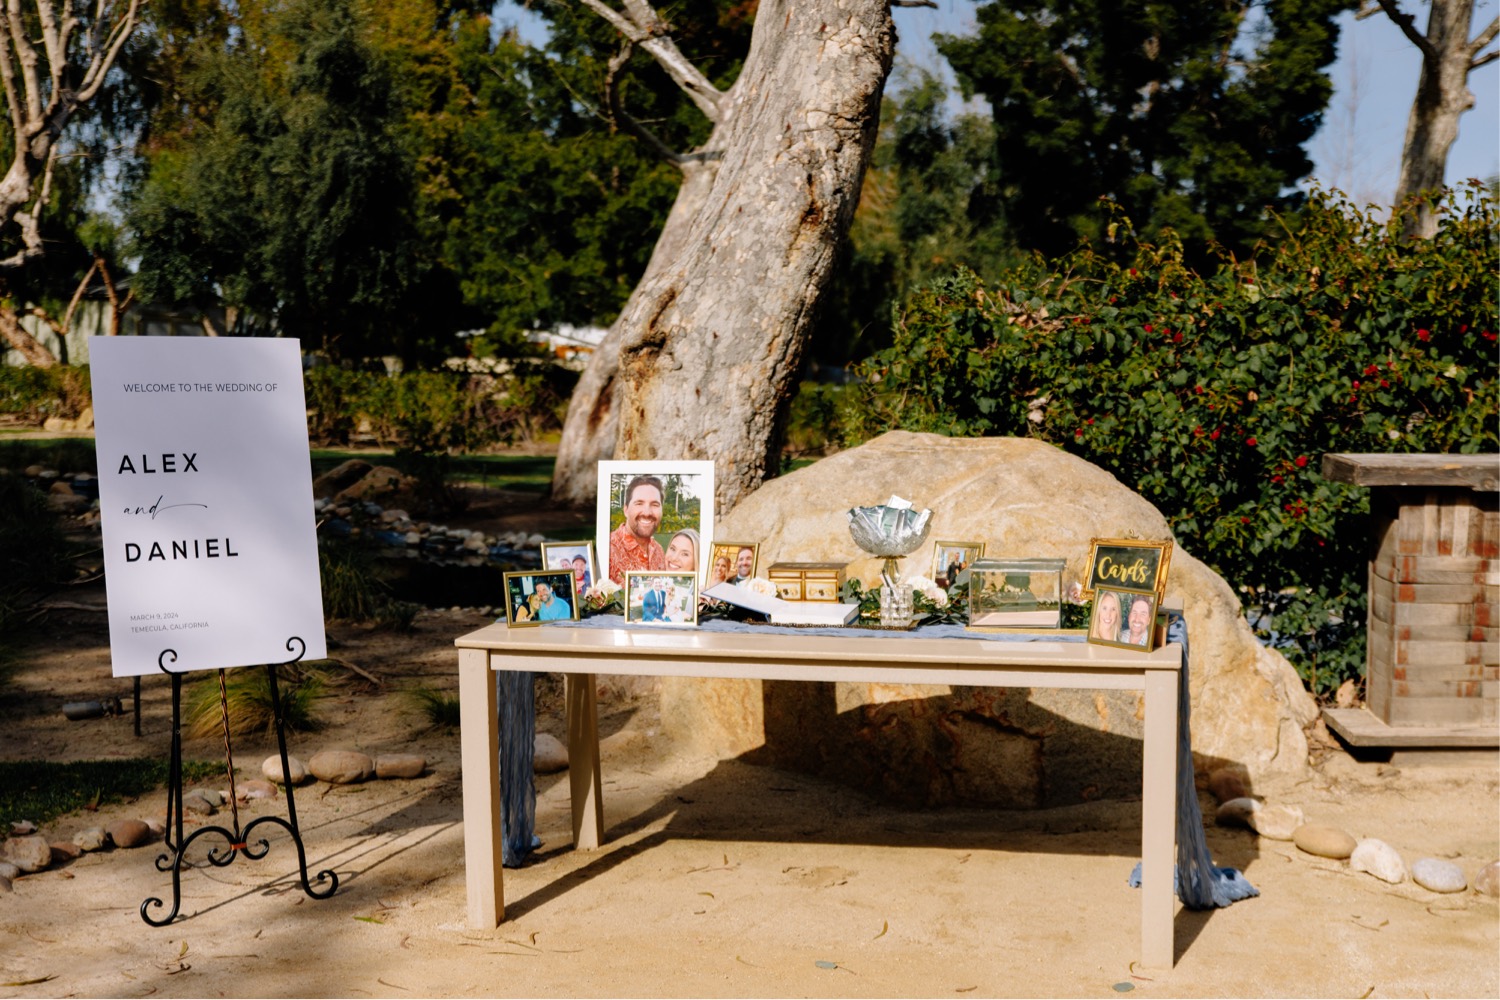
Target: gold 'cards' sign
x,y
1125,564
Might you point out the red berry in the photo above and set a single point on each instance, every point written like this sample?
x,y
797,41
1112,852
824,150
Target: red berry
x,y
1250,442
1424,334
1301,461
1215,435
1148,328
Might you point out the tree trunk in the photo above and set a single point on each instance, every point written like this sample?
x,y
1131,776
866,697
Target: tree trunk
x,y
710,342
16,336
1442,97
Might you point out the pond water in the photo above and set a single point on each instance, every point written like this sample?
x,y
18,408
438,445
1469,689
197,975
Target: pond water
x,y
448,584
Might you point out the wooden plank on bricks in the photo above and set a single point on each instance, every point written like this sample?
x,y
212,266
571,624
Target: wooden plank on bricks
x,y
1437,712
1446,673
1468,688
1401,617
1443,633
1422,653
1438,569
1444,593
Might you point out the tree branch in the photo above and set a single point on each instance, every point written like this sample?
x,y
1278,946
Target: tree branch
x,y
26,56
645,28
103,59
621,118
1481,40
1406,23
914,3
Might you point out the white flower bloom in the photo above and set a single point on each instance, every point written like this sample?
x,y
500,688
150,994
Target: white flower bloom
x,y
760,585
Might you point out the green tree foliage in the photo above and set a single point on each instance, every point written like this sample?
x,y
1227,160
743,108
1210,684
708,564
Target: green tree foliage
x,y
1215,395
1155,105
292,198
556,210
921,214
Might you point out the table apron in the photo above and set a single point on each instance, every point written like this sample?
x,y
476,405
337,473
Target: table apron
x,y
781,669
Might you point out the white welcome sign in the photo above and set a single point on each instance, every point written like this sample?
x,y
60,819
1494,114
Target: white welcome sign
x,y
205,496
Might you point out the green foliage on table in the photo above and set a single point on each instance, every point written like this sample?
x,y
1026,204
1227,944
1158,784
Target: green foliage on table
x,y
42,790
1216,394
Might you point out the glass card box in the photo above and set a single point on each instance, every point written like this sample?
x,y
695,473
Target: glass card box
x,y
1016,593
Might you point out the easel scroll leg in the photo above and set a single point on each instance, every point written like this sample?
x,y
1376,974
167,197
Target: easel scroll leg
x,y
1159,819
479,741
585,781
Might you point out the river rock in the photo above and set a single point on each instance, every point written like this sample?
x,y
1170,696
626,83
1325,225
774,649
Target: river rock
x,y
270,768
22,828
196,804
1324,841
129,833
5,884
1488,879
1277,822
550,755
156,827
341,767
1227,783
1439,876
381,482
30,853
10,871
340,478
400,765
64,851
212,796
1009,747
1237,812
255,789
1380,859
91,839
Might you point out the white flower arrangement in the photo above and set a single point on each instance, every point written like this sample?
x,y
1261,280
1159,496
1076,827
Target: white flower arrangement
x,y
760,585
602,594
928,589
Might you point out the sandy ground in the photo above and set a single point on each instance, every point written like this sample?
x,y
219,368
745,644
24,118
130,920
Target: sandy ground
x,y
718,878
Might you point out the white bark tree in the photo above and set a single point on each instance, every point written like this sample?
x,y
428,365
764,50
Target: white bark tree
x,y
55,56
1449,55
702,361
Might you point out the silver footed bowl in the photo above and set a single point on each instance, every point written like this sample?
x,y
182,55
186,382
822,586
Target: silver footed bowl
x,y
891,544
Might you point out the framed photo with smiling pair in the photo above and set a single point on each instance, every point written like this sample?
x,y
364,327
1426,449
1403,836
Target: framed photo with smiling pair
x,y
536,598
1123,618
656,516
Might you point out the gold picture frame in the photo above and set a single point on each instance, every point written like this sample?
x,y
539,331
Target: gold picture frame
x,y
1128,564
944,554
532,597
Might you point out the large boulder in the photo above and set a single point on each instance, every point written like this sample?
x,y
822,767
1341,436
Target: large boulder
x,y
1017,747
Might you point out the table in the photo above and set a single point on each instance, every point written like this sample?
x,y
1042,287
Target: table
x,y
579,654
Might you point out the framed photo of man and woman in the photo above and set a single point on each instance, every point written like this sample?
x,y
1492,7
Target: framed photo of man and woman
x,y
732,562
655,516
1127,579
653,598
573,557
951,558
536,597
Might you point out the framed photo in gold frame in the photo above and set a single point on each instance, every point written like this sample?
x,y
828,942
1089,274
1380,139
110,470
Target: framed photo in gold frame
x,y
951,558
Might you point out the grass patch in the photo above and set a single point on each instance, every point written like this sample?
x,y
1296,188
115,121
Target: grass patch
x,y
248,695
439,707
41,790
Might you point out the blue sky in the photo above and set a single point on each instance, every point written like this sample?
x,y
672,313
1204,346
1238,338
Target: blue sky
x,y
1358,149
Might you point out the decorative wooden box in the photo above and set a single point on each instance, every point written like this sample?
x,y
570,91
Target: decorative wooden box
x,y
807,581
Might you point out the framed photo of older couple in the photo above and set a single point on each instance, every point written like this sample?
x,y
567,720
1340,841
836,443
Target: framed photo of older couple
x,y
654,516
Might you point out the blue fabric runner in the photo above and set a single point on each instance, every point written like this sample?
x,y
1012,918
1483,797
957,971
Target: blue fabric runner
x,y
1197,882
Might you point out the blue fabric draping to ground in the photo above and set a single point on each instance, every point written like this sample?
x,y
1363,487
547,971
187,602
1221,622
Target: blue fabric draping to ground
x,y
517,709
1196,881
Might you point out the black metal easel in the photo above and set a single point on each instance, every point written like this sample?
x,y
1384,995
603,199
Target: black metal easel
x,y
237,841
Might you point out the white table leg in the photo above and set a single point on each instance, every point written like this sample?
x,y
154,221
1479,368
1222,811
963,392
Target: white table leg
x,y
1158,819
479,747
585,781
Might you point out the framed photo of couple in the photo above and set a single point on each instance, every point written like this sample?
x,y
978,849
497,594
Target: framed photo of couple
x,y
572,557
536,597
653,598
654,516
1123,618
